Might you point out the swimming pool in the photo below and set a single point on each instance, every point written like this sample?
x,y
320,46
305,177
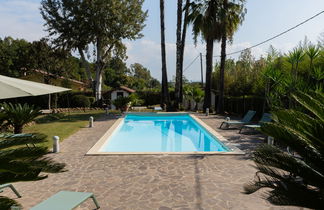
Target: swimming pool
x,y
160,133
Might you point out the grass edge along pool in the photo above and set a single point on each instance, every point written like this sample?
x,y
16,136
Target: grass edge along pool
x,y
110,134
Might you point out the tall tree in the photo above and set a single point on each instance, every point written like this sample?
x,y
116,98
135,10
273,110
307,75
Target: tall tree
x,y
178,55
181,36
183,41
15,57
231,15
76,24
165,92
204,16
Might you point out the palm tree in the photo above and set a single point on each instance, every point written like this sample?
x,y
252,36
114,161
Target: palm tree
x,y
178,55
295,178
165,92
231,16
197,95
183,41
312,52
21,163
193,93
18,115
181,37
204,16
294,58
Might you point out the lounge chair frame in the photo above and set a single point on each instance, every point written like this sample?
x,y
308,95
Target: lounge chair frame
x,y
266,117
246,119
11,187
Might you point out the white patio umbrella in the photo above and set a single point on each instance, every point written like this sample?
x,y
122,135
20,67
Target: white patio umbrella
x,y
14,88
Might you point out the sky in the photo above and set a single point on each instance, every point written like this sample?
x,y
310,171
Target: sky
x,y
264,19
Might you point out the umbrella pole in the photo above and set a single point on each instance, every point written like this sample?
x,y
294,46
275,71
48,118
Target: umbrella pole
x,y
49,102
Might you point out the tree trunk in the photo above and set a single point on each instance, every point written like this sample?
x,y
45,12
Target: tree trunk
x,y
18,129
165,92
183,41
209,70
85,64
178,57
220,106
98,80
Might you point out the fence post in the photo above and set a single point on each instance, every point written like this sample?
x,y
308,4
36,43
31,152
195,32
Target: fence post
x,y
90,122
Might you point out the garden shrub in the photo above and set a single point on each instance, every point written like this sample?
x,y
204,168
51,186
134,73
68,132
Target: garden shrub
x,y
122,102
136,100
80,101
92,100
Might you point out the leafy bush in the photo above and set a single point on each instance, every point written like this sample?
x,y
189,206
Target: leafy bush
x,y
121,103
2,121
295,178
80,101
18,115
150,97
195,93
135,99
92,100
66,83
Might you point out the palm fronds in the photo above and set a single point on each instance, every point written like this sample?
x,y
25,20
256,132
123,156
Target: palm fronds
x,y
18,115
298,178
20,162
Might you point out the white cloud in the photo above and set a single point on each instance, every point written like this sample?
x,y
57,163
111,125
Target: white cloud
x,y
148,53
21,19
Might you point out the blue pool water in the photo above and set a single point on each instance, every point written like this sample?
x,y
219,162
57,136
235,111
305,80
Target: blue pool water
x,y
161,133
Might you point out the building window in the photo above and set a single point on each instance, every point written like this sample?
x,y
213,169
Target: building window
x,y
120,94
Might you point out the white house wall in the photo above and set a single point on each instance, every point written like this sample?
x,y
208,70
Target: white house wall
x,y
114,96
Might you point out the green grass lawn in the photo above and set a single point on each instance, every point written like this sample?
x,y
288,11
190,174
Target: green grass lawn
x,y
62,126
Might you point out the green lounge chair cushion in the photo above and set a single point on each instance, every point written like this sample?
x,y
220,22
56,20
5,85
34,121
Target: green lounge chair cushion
x,y
63,200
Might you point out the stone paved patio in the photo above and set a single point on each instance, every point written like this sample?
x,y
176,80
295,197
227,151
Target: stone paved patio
x,y
159,182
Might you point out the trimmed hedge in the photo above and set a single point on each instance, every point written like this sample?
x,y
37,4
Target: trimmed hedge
x,y
152,97
80,101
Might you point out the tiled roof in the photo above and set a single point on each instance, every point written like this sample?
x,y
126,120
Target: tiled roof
x,y
127,89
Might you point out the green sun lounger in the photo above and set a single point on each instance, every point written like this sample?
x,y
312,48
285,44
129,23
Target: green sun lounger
x,y
2,186
246,119
65,200
266,117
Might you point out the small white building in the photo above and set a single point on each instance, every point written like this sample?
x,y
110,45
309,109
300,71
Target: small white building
x,y
122,91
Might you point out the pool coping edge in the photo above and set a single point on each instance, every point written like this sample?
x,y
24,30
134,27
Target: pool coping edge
x,y
96,147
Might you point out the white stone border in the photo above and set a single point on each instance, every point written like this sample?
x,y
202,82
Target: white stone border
x,y
95,150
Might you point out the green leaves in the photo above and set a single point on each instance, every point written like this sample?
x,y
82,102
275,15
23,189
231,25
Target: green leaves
x,y
122,103
18,115
312,52
209,17
19,162
298,178
77,24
